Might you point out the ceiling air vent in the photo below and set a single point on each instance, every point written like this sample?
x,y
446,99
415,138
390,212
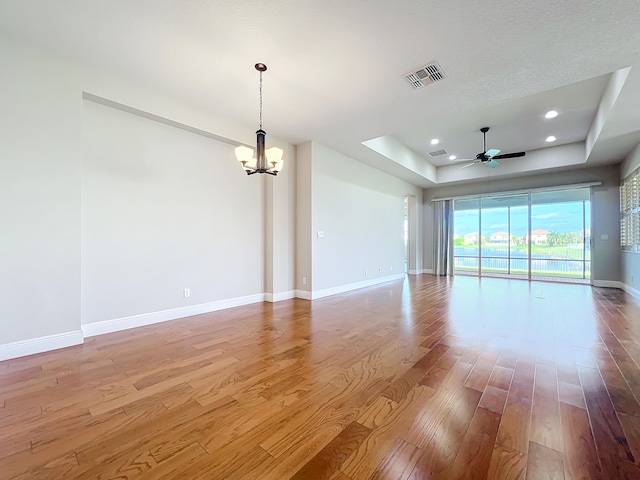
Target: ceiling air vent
x,y
425,75
437,153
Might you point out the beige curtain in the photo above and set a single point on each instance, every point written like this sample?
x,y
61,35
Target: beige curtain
x,y
443,238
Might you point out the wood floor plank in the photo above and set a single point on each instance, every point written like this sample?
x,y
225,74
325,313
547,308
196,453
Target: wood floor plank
x,y
476,448
507,464
399,388
173,467
148,433
571,394
609,437
501,377
545,415
340,476
516,418
482,370
399,463
568,373
63,467
631,428
389,428
544,463
621,395
426,425
493,399
580,456
447,431
129,464
419,378
331,457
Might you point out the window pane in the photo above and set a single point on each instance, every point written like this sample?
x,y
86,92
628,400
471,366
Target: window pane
x,y
466,220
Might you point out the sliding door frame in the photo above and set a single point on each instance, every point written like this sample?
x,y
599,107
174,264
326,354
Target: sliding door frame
x,y
529,236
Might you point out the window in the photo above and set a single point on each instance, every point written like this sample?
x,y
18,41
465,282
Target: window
x,y
630,212
536,235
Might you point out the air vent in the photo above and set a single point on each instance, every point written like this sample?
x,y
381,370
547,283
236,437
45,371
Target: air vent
x,y
437,153
426,75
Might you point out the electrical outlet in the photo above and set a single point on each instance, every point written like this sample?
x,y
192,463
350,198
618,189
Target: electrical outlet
x,y
186,292
304,280
380,269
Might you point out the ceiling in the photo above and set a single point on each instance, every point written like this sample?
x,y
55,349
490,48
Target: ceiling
x,y
336,72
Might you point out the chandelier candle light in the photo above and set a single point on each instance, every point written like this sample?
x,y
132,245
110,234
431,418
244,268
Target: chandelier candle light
x,y
268,161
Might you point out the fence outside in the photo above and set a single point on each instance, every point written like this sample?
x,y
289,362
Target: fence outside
x,y
570,262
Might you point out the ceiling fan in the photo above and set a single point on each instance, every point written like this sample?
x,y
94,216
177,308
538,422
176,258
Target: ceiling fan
x,y
490,157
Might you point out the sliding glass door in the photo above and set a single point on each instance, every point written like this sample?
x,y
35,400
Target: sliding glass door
x,y
538,235
504,222
466,238
561,234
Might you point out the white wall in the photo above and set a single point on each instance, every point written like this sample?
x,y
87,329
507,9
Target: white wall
x,y
142,209
304,215
630,261
163,209
360,210
605,254
606,200
40,156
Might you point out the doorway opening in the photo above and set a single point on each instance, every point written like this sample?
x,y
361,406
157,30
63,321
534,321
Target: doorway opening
x,y
410,233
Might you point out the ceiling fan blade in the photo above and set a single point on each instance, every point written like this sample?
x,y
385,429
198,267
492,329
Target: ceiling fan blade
x,y
491,153
492,163
511,155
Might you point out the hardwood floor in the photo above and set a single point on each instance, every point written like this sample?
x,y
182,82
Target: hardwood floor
x,y
426,378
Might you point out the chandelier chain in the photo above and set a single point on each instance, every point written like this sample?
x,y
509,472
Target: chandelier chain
x,y
260,100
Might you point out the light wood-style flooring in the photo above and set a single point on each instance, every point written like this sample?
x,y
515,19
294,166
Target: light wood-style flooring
x,y
426,378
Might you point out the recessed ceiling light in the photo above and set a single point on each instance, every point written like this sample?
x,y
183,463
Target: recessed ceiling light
x,y
551,114
435,141
551,138
452,157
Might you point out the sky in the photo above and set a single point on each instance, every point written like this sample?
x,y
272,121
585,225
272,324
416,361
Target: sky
x,y
557,217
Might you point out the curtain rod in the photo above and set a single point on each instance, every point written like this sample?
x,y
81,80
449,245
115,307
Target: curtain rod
x,y
513,192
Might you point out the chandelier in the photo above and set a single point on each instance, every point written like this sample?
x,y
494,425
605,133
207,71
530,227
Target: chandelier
x,y
266,161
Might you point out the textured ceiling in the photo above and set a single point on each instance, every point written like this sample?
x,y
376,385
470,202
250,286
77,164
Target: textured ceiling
x,y
336,70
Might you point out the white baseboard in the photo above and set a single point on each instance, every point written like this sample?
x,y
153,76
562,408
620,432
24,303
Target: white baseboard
x,y
419,272
354,286
117,324
615,284
631,291
277,297
608,284
40,344
304,294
